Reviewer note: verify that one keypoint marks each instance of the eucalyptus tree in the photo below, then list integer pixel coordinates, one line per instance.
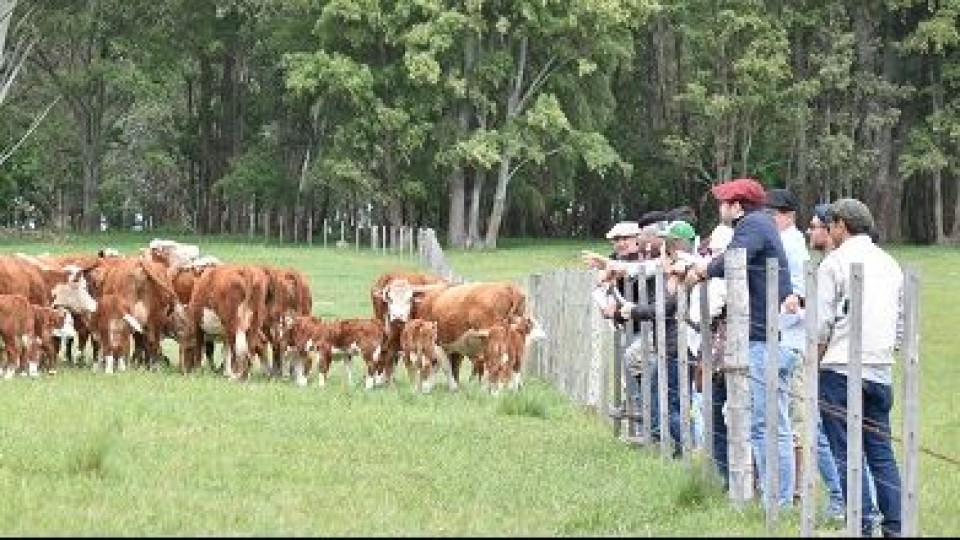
(933, 144)
(88, 54)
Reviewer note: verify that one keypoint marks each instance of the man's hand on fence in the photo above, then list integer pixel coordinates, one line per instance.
(626, 310)
(696, 273)
(594, 259)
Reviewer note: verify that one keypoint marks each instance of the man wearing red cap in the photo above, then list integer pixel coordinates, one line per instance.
(741, 204)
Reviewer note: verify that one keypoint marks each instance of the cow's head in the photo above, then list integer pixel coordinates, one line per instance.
(72, 293)
(398, 295)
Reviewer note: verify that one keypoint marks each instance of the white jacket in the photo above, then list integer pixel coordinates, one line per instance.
(882, 290)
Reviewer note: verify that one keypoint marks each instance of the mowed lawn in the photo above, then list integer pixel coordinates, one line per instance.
(157, 453)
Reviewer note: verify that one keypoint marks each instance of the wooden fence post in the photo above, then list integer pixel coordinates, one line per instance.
(647, 368)
(683, 375)
(738, 384)
(854, 455)
(811, 429)
(662, 397)
(706, 374)
(910, 505)
(770, 472)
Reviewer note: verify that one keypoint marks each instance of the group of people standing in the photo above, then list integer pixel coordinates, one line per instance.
(764, 224)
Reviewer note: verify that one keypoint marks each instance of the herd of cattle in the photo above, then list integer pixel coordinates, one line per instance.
(123, 306)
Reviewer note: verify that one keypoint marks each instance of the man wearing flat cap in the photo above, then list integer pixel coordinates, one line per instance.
(849, 223)
(741, 202)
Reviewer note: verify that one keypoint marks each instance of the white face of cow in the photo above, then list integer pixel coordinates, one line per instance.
(399, 298)
(73, 294)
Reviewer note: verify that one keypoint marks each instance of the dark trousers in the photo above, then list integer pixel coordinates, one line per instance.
(719, 439)
(877, 446)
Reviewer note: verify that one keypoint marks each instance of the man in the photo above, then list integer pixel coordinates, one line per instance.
(740, 203)
(783, 207)
(849, 223)
(678, 244)
(625, 237)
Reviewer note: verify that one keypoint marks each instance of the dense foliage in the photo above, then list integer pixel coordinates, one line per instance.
(482, 118)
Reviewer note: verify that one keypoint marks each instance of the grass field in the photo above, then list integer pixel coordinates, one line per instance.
(161, 454)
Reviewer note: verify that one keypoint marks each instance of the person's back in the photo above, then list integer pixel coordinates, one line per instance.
(882, 285)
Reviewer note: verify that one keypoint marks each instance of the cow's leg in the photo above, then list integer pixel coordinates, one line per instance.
(454, 371)
(13, 356)
(323, 367)
(300, 364)
(370, 364)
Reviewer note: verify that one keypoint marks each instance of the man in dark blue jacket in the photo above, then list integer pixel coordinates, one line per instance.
(741, 205)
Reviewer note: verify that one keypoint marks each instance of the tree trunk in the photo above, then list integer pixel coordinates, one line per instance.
(473, 223)
(504, 174)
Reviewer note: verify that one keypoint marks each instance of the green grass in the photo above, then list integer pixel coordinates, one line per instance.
(162, 454)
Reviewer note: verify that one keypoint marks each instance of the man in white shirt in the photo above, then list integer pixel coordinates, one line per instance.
(849, 223)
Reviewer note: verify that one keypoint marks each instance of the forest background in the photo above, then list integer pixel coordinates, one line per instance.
(543, 118)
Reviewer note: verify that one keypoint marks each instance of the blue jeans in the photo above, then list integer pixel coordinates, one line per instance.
(758, 428)
(828, 469)
(884, 476)
(673, 402)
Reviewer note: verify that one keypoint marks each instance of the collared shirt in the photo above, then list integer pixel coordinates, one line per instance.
(793, 333)
(882, 290)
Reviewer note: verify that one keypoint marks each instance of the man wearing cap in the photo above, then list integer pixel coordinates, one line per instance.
(678, 242)
(849, 223)
(740, 202)
(793, 336)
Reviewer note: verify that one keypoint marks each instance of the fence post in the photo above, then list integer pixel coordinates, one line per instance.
(910, 505)
(647, 368)
(631, 389)
(683, 374)
(811, 430)
(310, 229)
(770, 472)
(326, 230)
(706, 377)
(738, 384)
(662, 397)
(855, 403)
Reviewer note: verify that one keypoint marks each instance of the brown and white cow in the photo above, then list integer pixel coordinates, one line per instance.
(392, 296)
(464, 314)
(303, 342)
(184, 278)
(228, 301)
(147, 287)
(288, 296)
(346, 338)
(18, 334)
(418, 344)
(114, 325)
(506, 345)
(50, 325)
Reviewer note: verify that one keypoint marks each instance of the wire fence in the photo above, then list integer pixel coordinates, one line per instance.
(594, 363)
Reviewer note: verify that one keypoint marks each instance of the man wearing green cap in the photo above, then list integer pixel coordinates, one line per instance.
(678, 242)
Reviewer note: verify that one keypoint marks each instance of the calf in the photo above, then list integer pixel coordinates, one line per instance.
(18, 332)
(303, 341)
(347, 337)
(113, 327)
(51, 324)
(418, 342)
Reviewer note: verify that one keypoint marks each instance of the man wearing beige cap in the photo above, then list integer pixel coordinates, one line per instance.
(849, 223)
